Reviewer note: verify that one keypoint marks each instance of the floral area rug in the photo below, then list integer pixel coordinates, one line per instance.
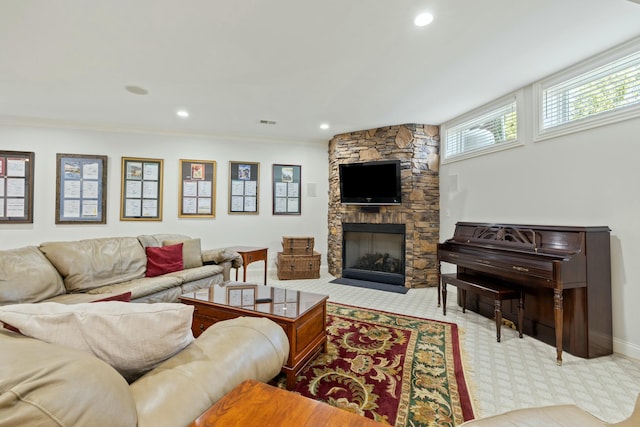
(395, 369)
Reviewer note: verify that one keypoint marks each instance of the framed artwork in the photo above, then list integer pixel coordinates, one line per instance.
(141, 192)
(16, 187)
(197, 198)
(81, 189)
(244, 189)
(241, 296)
(286, 189)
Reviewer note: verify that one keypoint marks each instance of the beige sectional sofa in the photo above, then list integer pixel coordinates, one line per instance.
(54, 372)
(92, 269)
(44, 384)
(553, 416)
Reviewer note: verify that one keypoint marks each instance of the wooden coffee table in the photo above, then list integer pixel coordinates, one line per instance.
(302, 315)
(254, 403)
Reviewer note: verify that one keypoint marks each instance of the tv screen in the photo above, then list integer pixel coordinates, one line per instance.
(370, 183)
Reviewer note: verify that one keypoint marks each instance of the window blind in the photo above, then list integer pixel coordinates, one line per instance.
(486, 129)
(611, 87)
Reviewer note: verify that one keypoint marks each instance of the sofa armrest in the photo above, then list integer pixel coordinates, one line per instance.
(180, 389)
(218, 256)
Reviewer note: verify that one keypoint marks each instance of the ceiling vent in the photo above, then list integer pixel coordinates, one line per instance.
(267, 122)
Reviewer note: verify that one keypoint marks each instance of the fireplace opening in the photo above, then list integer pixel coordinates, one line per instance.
(374, 252)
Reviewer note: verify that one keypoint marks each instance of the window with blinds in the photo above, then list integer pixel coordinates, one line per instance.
(488, 129)
(607, 93)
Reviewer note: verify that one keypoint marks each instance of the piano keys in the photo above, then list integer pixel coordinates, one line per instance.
(565, 273)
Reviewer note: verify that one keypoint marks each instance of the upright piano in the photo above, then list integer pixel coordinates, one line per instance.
(565, 273)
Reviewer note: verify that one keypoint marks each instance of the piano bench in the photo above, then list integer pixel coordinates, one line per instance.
(490, 289)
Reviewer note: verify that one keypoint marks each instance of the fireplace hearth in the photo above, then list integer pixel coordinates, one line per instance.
(374, 252)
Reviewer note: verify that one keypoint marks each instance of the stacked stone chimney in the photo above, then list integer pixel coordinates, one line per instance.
(418, 148)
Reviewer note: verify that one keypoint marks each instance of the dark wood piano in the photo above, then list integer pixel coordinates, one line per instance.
(565, 273)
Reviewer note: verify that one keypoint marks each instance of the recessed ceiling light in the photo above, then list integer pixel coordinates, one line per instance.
(324, 126)
(136, 90)
(182, 113)
(423, 19)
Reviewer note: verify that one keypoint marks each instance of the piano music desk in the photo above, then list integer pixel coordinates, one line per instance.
(485, 288)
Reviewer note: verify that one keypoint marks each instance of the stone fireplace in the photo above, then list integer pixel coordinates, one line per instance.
(417, 147)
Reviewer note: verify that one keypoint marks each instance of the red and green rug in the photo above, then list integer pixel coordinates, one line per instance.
(395, 369)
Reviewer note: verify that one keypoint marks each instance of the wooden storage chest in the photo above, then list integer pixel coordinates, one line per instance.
(297, 245)
(298, 266)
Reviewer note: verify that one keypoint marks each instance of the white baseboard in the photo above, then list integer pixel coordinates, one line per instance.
(626, 348)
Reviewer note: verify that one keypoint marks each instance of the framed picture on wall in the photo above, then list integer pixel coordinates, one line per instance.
(287, 190)
(244, 188)
(16, 187)
(197, 198)
(81, 189)
(141, 189)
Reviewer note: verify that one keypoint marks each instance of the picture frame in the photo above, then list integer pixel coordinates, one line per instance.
(244, 187)
(81, 189)
(197, 192)
(287, 189)
(16, 187)
(242, 295)
(141, 189)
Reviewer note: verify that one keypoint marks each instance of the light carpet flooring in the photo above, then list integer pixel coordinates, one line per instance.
(515, 373)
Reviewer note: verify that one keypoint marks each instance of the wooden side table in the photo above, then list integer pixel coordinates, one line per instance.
(256, 403)
(251, 254)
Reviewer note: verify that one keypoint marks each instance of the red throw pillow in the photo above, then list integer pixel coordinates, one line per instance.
(11, 328)
(126, 297)
(164, 259)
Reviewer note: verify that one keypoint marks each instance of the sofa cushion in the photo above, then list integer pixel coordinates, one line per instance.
(92, 263)
(191, 251)
(198, 273)
(164, 260)
(49, 385)
(76, 298)
(133, 338)
(139, 287)
(27, 276)
(124, 297)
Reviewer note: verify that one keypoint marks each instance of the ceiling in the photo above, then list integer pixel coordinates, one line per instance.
(354, 64)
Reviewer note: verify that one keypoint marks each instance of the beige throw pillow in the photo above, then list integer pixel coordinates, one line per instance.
(133, 338)
(191, 251)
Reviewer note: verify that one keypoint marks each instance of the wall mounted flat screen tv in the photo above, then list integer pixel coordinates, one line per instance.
(371, 183)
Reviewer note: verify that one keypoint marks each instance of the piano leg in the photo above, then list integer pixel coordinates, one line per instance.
(444, 298)
(558, 312)
(498, 314)
(439, 282)
(521, 313)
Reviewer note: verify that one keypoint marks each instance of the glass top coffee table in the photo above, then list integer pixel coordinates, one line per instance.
(302, 315)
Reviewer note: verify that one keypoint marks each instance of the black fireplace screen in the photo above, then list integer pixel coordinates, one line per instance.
(374, 252)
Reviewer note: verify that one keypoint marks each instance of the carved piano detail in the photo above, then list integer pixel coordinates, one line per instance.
(564, 271)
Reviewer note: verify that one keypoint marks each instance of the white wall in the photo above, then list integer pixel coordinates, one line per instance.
(586, 178)
(263, 229)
